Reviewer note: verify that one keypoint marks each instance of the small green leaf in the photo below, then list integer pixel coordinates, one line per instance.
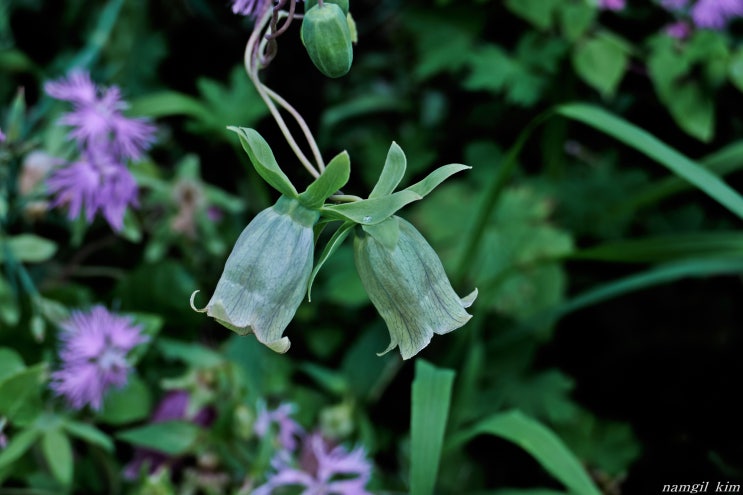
(263, 160)
(735, 69)
(169, 437)
(131, 403)
(392, 173)
(334, 177)
(18, 445)
(19, 389)
(601, 63)
(386, 233)
(336, 240)
(58, 453)
(424, 187)
(90, 434)
(191, 353)
(374, 210)
(541, 443)
(539, 12)
(30, 248)
(431, 396)
(10, 363)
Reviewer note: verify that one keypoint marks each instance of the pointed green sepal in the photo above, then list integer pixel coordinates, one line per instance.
(392, 173)
(266, 275)
(263, 160)
(374, 210)
(331, 247)
(409, 288)
(334, 177)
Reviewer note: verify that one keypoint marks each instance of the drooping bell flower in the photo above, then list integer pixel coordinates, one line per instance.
(266, 275)
(407, 284)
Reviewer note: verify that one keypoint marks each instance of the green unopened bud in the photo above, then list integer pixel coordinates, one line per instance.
(407, 284)
(327, 38)
(343, 4)
(266, 275)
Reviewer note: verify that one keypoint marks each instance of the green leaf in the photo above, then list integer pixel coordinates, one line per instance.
(655, 276)
(169, 437)
(392, 173)
(264, 161)
(30, 248)
(651, 146)
(58, 453)
(18, 445)
(431, 396)
(601, 63)
(168, 103)
(424, 187)
(19, 389)
(334, 177)
(693, 109)
(126, 405)
(193, 354)
(10, 363)
(735, 69)
(371, 211)
(386, 233)
(541, 443)
(667, 248)
(575, 19)
(539, 12)
(89, 433)
(336, 240)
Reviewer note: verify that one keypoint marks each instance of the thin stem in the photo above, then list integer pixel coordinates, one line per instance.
(302, 124)
(253, 51)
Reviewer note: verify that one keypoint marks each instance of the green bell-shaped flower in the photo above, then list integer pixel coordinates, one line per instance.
(266, 275)
(407, 284)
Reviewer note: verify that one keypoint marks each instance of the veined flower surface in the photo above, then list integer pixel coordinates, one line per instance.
(266, 275)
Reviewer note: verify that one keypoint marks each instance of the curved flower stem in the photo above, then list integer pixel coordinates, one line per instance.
(302, 124)
(253, 52)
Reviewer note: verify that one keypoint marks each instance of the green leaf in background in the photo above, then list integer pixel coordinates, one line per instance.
(392, 173)
(264, 161)
(431, 394)
(10, 363)
(667, 248)
(651, 146)
(167, 104)
(541, 13)
(30, 248)
(126, 405)
(576, 18)
(18, 445)
(735, 69)
(193, 354)
(58, 454)
(601, 63)
(693, 109)
(19, 393)
(336, 240)
(169, 437)
(335, 176)
(540, 442)
(89, 433)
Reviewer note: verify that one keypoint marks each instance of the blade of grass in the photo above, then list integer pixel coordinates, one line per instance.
(667, 248)
(540, 442)
(431, 395)
(651, 146)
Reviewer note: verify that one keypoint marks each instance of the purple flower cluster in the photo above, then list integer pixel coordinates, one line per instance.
(93, 356)
(2, 136)
(323, 468)
(615, 5)
(99, 180)
(247, 7)
(705, 14)
(715, 14)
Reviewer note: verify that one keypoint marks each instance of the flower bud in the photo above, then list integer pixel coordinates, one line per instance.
(327, 38)
(266, 275)
(407, 284)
